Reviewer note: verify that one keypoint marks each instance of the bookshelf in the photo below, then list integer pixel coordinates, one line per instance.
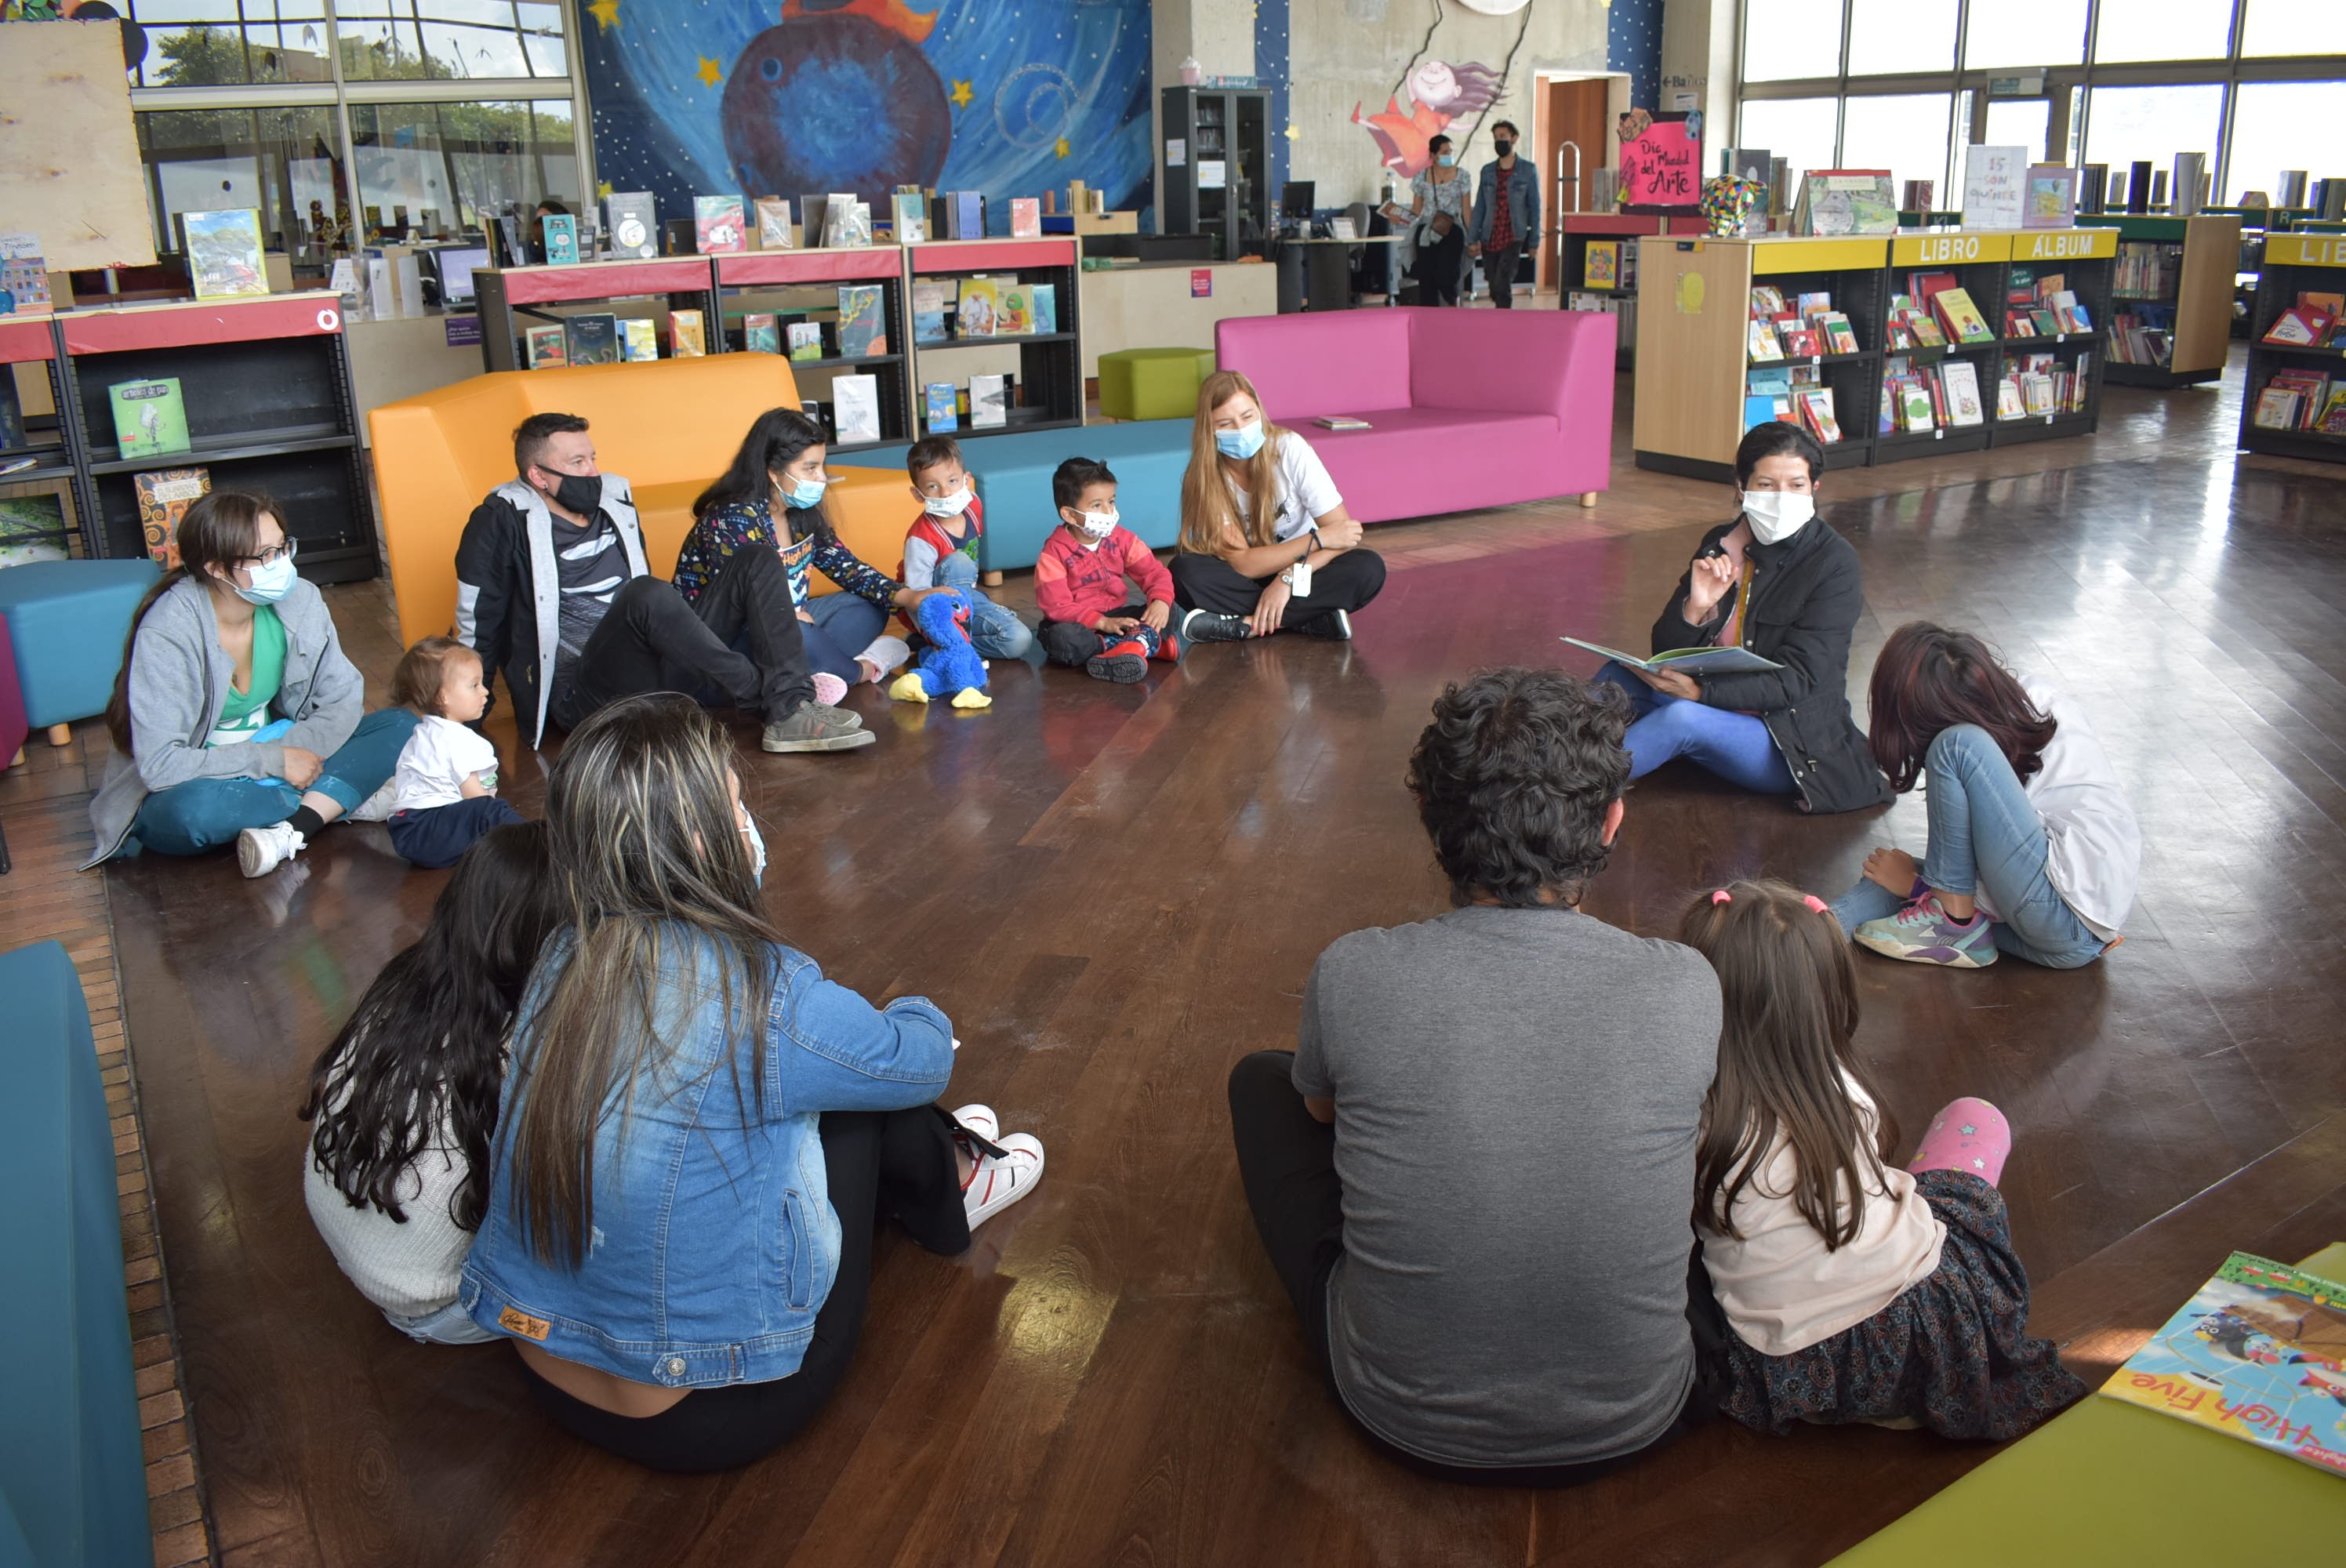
(51, 449)
(2185, 269)
(799, 284)
(266, 385)
(1049, 390)
(1981, 263)
(2295, 263)
(512, 300)
(1221, 184)
(1575, 230)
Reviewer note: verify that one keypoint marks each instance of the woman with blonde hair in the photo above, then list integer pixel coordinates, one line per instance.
(1266, 543)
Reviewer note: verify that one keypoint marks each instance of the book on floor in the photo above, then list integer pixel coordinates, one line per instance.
(150, 417)
(164, 496)
(2259, 1353)
(1691, 661)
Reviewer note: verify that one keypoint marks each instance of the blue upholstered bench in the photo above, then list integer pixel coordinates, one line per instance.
(73, 1476)
(67, 620)
(1012, 473)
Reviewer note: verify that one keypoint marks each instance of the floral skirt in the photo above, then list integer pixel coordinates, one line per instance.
(1952, 1352)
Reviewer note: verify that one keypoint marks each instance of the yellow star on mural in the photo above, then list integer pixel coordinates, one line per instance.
(1062, 147)
(606, 14)
(602, 190)
(709, 74)
(961, 96)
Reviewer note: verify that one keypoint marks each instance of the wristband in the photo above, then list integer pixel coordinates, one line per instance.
(1317, 542)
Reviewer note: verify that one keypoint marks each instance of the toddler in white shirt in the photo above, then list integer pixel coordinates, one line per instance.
(446, 785)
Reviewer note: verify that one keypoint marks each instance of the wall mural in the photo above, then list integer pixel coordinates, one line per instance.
(1439, 94)
(1011, 98)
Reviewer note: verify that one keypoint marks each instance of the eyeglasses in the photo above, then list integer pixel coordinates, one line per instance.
(269, 557)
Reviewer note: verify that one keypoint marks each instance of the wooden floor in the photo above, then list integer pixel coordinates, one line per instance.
(1117, 892)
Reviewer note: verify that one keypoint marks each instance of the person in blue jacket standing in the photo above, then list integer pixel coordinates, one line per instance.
(1504, 228)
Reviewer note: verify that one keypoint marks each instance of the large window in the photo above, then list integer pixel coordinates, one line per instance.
(1907, 84)
(430, 170)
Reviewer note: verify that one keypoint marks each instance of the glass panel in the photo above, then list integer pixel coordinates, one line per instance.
(2020, 122)
(448, 40)
(279, 160)
(432, 169)
(1890, 35)
(2164, 30)
(1906, 135)
(1798, 129)
(2025, 33)
(2123, 124)
(2290, 27)
(1787, 39)
(2269, 134)
(220, 43)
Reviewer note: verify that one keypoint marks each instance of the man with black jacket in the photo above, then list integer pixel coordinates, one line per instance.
(552, 589)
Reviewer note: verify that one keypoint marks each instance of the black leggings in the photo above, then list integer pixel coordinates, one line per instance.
(892, 1164)
(1287, 1162)
(1209, 583)
(653, 639)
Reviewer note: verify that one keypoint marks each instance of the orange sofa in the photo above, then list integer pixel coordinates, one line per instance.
(667, 429)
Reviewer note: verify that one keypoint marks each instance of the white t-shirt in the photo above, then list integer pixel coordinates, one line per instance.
(435, 761)
(1305, 491)
(1782, 1291)
(2093, 843)
(409, 1270)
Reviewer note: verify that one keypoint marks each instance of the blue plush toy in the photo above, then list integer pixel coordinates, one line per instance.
(949, 663)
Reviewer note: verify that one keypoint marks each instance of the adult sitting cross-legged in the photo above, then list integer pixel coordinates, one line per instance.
(1472, 1173)
(552, 589)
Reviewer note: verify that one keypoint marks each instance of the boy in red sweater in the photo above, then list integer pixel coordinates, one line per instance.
(1089, 617)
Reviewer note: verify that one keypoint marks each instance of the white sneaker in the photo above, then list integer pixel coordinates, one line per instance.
(260, 851)
(1001, 1180)
(886, 655)
(981, 1120)
(376, 807)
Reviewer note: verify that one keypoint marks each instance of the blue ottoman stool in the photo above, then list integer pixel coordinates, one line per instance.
(67, 620)
(1012, 470)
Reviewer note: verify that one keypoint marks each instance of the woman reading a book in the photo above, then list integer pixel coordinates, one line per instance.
(1778, 582)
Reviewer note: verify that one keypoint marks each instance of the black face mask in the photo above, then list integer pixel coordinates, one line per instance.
(580, 492)
(1502, 147)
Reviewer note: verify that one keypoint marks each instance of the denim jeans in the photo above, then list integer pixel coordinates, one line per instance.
(1986, 840)
(994, 630)
(203, 813)
(842, 627)
(1735, 746)
(452, 1325)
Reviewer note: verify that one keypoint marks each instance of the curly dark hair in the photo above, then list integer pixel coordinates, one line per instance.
(1513, 779)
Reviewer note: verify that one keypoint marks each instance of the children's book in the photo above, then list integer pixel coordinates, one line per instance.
(945, 407)
(1964, 322)
(773, 223)
(548, 347)
(2302, 325)
(33, 528)
(929, 301)
(862, 328)
(912, 211)
(2276, 409)
(224, 253)
(1816, 405)
(856, 400)
(759, 335)
(2259, 1354)
(2332, 419)
(164, 497)
(718, 225)
(1960, 378)
(1026, 218)
(2052, 197)
(1602, 268)
(688, 336)
(989, 401)
(805, 338)
(1768, 300)
(1764, 345)
(1914, 407)
(811, 218)
(150, 418)
(592, 339)
(1342, 421)
(1693, 661)
(1840, 336)
(24, 275)
(1016, 318)
(981, 307)
(846, 221)
(1803, 344)
(561, 240)
(1043, 302)
(639, 339)
(633, 218)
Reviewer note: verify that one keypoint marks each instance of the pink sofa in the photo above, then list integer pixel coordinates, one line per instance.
(1467, 409)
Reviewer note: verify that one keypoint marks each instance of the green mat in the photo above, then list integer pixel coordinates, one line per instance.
(2110, 1482)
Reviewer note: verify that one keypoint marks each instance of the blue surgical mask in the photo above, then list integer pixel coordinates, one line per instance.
(805, 492)
(271, 581)
(1242, 442)
(1448, 160)
(757, 848)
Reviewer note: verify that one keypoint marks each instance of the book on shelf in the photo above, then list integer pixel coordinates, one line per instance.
(846, 222)
(943, 400)
(1757, 409)
(761, 333)
(1964, 321)
(774, 223)
(805, 338)
(1733, 659)
(1764, 345)
(1994, 187)
(164, 496)
(1601, 268)
(911, 212)
(1766, 301)
(2009, 402)
(1026, 218)
(2293, 400)
(547, 347)
(2017, 324)
(1921, 286)
(33, 528)
(150, 417)
(2052, 197)
(812, 215)
(2300, 326)
(1816, 408)
(1840, 335)
(561, 231)
(981, 307)
(930, 298)
(639, 340)
(1959, 381)
(1802, 343)
(224, 260)
(1043, 299)
(1016, 318)
(1846, 201)
(1914, 407)
(989, 402)
(592, 339)
(2333, 304)
(688, 336)
(965, 215)
(23, 274)
(633, 216)
(856, 401)
(2331, 421)
(862, 324)
(2276, 408)
(1811, 306)
(2259, 1353)
(2146, 269)
(718, 227)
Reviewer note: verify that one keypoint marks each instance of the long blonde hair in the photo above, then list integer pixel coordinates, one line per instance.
(1208, 503)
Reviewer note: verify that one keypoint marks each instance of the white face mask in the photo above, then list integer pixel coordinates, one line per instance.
(271, 582)
(1776, 515)
(952, 506)
(1098, 525)
(757, 848)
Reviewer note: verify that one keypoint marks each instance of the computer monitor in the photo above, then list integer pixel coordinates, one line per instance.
(1295, 200)
(455, 264)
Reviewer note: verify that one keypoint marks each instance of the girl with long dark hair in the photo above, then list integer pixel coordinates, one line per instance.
(2034, 849)
(1856, 1290)
(699, 1131)
(778, 473)
(236, 716)
(405, 1098)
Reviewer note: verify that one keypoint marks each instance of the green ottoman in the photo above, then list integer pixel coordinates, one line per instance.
(1153, 383)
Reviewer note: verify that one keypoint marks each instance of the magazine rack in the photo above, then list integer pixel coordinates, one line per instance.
(1050, 364)
(2294, 264)
(802, 282)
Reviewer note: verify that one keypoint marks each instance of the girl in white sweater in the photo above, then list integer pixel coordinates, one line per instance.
(405, 1098)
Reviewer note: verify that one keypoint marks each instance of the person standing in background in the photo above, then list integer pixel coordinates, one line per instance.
(1439, 199)
(1505, 225)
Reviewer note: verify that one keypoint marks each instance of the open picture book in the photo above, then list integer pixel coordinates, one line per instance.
(1692, 661)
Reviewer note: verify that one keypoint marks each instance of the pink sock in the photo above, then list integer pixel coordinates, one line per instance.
(829, 689)
(1968, 1135)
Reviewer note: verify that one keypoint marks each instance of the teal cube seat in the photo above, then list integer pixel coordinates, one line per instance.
(1153, 383)
(67, 620)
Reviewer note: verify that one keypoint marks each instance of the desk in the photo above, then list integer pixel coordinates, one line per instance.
(1317, 274)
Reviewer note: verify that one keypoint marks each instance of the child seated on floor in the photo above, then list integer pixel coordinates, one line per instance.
(405, 1098)
(445, 790)
(1855, 1291)
(1089, 617)
(941, 550)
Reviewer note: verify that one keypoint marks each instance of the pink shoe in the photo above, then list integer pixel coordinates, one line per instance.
(829, 689)
(1968, 1135)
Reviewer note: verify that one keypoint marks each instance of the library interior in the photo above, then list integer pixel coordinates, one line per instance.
(728, 728)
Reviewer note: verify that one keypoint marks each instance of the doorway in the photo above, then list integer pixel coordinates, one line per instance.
(1574, 110)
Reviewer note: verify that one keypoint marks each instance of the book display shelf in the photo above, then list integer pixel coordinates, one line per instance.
(2312, 262)
(266, 386)
(1049, 384)
(43, 459)
(1978, 262)
(513, 299)
(1217, 166)
(802, 288)
(1612, 286)
(2083, 259)
(2171, 299)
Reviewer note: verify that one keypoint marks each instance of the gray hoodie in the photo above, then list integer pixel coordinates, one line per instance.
(180, 678)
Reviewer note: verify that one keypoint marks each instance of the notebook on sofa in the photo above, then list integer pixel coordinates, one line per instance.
(1692, 661)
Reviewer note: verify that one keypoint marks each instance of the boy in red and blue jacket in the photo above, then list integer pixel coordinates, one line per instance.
(1089, 617)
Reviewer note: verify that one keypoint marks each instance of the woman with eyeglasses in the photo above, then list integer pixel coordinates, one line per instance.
(236, 716)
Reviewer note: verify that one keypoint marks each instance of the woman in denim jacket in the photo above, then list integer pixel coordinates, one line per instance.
(699, 1131)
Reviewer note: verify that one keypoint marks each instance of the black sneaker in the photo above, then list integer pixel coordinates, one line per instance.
(1335, 626)
(1206, 626)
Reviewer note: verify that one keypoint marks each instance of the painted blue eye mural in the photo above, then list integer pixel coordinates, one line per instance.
(1010, 97)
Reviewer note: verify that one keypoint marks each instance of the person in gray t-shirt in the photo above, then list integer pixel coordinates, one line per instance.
(1475, 1174)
